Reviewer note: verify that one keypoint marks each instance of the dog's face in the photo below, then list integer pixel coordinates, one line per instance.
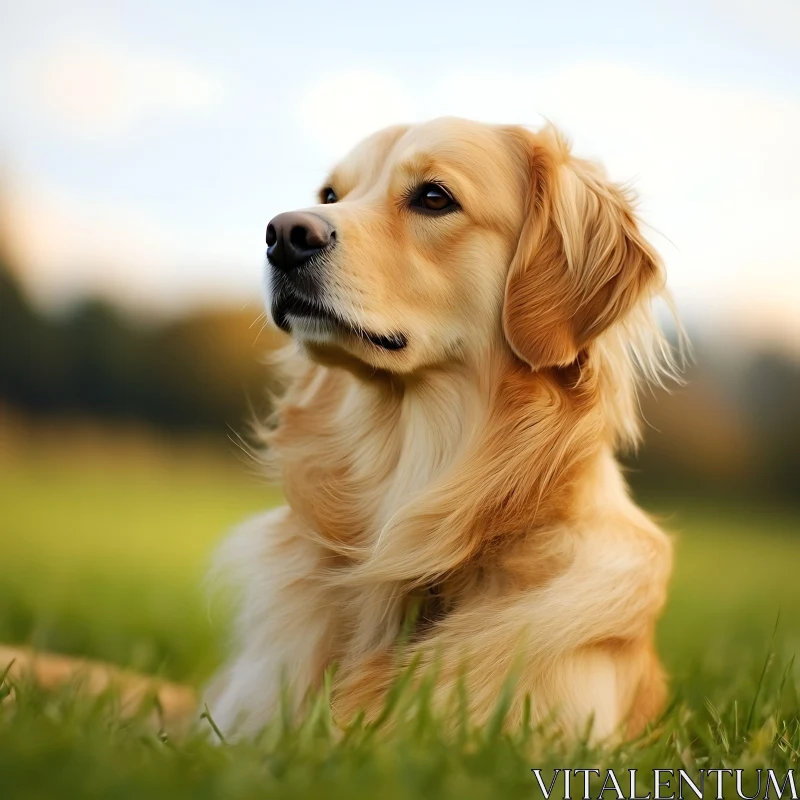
(436, 242)
(404, 262)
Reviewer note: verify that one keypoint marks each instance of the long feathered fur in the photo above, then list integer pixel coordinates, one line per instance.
(481, 495)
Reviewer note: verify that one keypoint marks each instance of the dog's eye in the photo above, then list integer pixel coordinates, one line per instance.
(432, 197)
(327, 195)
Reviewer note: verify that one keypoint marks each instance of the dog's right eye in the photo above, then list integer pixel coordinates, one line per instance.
(327, 195)
(432, 198)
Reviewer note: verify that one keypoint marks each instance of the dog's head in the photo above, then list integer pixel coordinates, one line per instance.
(441, 241)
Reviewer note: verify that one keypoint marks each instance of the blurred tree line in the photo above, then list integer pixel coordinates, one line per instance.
(732, 432)
(197, 372)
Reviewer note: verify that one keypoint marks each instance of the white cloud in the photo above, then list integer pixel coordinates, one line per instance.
(345, 106)
(776, 21)
(70, 245)
(94, 91)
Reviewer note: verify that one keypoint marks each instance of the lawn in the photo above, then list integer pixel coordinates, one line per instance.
(103, 551)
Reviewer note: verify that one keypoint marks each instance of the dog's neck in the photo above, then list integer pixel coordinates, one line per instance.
(431, 422)
(409, 479)
(353, 452)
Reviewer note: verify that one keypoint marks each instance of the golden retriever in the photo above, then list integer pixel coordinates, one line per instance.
(472, 311)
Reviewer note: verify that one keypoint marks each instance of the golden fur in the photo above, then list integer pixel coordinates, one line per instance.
(471, 475)
(173, 705)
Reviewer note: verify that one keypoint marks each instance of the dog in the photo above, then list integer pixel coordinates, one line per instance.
(471, 311)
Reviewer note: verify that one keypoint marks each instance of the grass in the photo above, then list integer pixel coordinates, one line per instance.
(102, 554)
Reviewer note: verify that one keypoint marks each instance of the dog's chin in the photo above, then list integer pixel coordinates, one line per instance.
(314, 324)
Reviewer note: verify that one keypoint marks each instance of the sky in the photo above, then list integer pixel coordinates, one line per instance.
(145, 145)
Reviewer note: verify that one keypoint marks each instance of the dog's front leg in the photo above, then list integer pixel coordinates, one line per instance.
(283, 626)
(580, 647)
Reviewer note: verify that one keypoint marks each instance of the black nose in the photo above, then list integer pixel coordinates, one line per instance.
(293, 237)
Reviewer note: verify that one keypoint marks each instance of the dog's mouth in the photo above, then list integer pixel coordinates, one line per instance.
(290, 305)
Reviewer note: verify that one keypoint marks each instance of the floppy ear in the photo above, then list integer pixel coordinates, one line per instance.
(581, 263)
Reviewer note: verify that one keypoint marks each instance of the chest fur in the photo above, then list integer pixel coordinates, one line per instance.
(352, 456)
